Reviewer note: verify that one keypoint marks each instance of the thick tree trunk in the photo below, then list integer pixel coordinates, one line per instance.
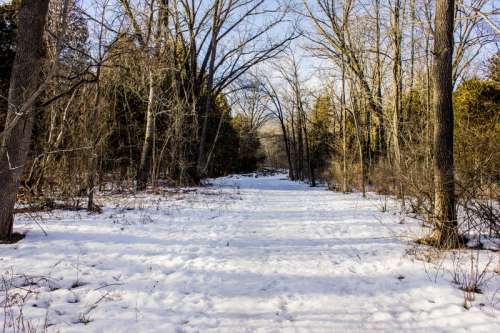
(445, 227)
(24, 82)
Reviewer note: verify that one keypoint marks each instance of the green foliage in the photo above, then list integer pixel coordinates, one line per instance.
(238, 146)
(415, 118)
(250, 154)
(127, 112)
(320, 134)
(477, 129)
(224, 156)
(8, 29)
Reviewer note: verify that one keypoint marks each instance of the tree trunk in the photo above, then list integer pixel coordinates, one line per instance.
(412, 51)
(24, 82)
(144, 163)
(428, 102)
(310, 166)
(294, 147)
(361, 155)
(398, 91)
(92, 171)
(300, 147)
(380, 139)
(291, 173)
(445, 226)
(344, 131)
(209, 95)
(207, 106)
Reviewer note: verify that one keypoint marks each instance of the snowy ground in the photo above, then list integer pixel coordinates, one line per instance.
(244, 255)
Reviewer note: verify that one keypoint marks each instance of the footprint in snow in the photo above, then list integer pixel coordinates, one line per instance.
(283, 313)
(72, 298)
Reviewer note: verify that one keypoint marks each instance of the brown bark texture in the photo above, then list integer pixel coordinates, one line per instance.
(24, 82)
(445, 227)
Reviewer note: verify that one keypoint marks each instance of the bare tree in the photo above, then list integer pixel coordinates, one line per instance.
(335, 36)
(251, 104)
(276, 108)
(397, 37)
(471, 34)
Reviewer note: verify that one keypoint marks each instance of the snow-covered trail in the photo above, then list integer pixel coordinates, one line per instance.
(244, 255)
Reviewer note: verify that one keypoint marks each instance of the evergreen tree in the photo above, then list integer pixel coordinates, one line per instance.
(320, 134)
(8, 28)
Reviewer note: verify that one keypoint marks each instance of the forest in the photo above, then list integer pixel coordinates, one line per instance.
(159, 116)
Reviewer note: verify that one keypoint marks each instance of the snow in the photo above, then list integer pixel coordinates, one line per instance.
(245, 254)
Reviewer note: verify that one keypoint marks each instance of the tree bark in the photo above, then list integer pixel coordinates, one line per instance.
(300, 146)
(360, 151)
(310, 166)
(344, 130)
(24, 82)
(398, 91)
(144, 163)
(291, 173)
(209, 88)
(380, 140)
(445, 226)
(92, 171)
(294, 147)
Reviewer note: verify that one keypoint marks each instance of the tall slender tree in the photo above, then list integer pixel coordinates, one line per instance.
(397, 37)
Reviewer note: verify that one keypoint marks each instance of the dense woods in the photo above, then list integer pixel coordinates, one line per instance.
(397, 97)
